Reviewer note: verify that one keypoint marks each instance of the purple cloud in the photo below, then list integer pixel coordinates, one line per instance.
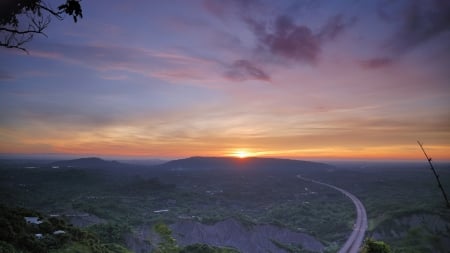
(221, 8)
(288, 40)
(376, 63)
(277, 34)
(214, 7)
(420, 21)
(165, 65)
(335, 26)
(5, 76)
(242, 70)
(291, 41)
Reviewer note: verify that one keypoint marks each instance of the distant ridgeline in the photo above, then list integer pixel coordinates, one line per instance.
(250, 163)
(88, 162)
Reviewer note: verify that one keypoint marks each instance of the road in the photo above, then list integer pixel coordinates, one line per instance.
(356, 238)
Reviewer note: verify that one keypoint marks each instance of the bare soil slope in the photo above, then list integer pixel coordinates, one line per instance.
(231, 233)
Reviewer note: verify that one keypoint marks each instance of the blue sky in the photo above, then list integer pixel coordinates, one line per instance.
(301, 79)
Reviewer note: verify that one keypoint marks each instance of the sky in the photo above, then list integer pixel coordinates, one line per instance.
(305, 79)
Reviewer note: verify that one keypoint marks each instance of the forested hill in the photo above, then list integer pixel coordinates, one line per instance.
(89, 162)
(250, 163)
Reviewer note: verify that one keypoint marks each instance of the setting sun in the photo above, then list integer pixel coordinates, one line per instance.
(241, 154)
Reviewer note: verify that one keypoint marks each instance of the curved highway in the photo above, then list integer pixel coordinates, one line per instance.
(356, 238)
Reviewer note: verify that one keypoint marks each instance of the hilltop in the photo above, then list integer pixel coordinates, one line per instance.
(88, 162)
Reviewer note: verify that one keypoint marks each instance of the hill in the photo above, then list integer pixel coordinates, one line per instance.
(210, 170)
(89, 162)
(251, 163)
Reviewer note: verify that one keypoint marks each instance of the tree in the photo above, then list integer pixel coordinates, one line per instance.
(20, 20)
(168, 244)
(372, 246)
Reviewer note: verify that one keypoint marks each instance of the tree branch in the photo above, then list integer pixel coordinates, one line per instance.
(21, 32)
(54, 13)
(38, 15)
(17, 46)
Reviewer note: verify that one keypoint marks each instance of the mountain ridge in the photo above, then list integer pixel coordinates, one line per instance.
(87, 162)
(204, 162)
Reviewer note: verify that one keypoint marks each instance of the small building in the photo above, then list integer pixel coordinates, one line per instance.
(33, 220)
(39, 236)
(59, 232)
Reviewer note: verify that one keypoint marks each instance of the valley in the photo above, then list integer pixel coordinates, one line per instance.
(248, 205)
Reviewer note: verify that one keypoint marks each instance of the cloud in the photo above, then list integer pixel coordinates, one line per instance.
(242, 70)
(120, 63)
(114, 77)
(222, 9)
(216, 8)
(291, 41)
(106, 57)
(6, 76)
(335, 26)
(165, 65)
(420, 21)
(278, 35)
(376, 63)
(384, 11)
(287, 40)
(68, 115)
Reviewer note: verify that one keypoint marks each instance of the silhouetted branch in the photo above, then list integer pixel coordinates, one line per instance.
(54, 13)
(17, 46)
(16, 38)
(14, 31)
(435, 174)
(38, 16)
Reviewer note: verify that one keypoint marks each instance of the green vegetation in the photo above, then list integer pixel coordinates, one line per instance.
(403, 203)
(120, 202)
(129, 201)
(82, 248)
(110, 232)
(169, 245)
(419, 239)
(372, 246)
(317, 217)
(51, 235)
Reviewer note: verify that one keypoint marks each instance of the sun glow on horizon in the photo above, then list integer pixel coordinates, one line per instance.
(241, 154)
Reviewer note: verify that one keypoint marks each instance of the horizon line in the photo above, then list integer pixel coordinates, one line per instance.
(63, 156)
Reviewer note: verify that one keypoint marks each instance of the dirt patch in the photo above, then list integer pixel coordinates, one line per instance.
(231, 233)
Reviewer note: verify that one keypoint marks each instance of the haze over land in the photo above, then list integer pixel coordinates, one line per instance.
(249, 205)
(299, 79)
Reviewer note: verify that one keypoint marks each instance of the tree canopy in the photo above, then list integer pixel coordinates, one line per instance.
(20, 20)
(373, 246)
